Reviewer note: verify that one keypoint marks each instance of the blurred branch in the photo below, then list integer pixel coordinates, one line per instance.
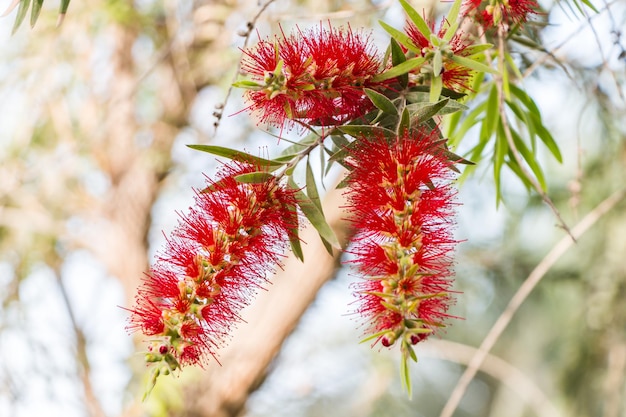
(83, 367)
(614, 383)
(499, 369)
(522, 293)
(246, 35)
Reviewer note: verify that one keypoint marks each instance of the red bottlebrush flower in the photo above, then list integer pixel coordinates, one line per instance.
(501, 13)
(400, 195)
(454, 76)
(212, 265)
(316, 77)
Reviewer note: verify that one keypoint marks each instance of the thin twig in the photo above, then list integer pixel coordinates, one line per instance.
(498, 368)
(552, 53)
(93, 405)
(605, 63)
(246, 35)
(520, 296)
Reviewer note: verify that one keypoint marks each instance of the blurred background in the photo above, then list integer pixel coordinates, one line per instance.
(94, 119)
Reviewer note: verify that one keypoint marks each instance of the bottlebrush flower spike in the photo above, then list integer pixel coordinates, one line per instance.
(212, 265)
(316, 77)
(499, 13)
(400, 196)
(454, 76)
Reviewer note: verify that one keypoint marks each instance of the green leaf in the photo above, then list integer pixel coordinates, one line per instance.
(21, 14)
(62, 11)
(315, 216)
(237, 155)
(246, 84)
(450, 31)
(535, 114)
(416, 93)
(417, 20)
(258, 177)
(405, 374)
(548, 140)
(400, 37)
(453, 17)
(294, 239)
(374, 336)
(306, 142)
(515, 168)
(472, 64)
(34, 13)
(381, 102)
(311, 187)
(404, 126)
(436, 84)
(513, 66)
(501, 150)
(529, 158)
(422, 112)
(492, 115)
(470, 120)
(366, 130)
(398, 57)
(476, 49)
(437, 63)
(400, 69)
(63, 7)
(340, 141)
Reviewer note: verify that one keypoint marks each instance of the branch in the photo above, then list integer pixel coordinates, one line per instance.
(94, 408)
(246, 35)
(497, 368)
(522, 293)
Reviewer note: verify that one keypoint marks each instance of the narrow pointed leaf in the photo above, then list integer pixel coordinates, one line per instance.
(453, 16)
(548, 140)
(404, 127)
(417, 20)
(436, 85)
(62, 11)
(34, 13)
(308, 141)
(236, 155)
(311, 187)
(294, 239)
(437, 63)
(400, 69)
(405, 375)
(315, 216)
(476, 49)
(475, 65)
(400, 37)
(501, 150)
(398, 57)
(528, 156)
(381, 102)
(246, 84)
(21, 14)
(254, 177)
(451, 31)
(366, 130)
(427, 111)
